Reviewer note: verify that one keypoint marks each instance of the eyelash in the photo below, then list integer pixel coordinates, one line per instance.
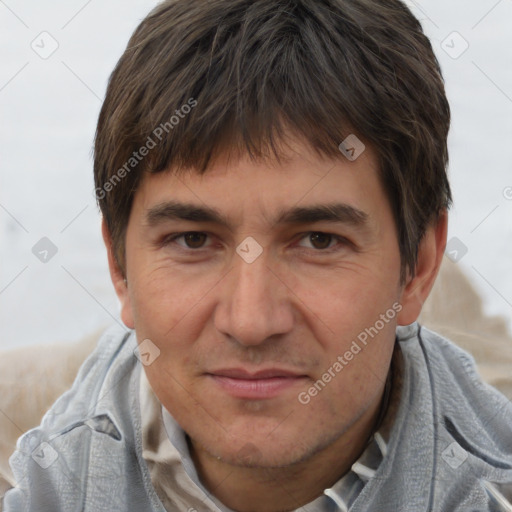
(341, 240)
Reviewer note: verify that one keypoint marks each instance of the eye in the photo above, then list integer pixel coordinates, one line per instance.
(316, 240)
(192, 239)
(322, 241)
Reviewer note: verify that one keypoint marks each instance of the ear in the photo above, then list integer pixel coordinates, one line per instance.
(430, 257)
(118, 279)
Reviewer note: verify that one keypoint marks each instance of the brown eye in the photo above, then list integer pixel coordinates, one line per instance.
(320, 240)
(194, 240)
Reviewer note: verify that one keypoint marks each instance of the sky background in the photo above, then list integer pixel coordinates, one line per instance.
(49, 105)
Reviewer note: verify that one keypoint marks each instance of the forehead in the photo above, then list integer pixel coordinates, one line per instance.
(232, 189)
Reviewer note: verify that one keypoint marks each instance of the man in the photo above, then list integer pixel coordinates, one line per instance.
(272, 178)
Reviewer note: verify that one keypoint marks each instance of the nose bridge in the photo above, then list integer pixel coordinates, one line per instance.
(251, 282)
(254, 305)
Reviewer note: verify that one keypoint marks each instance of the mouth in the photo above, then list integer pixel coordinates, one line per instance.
(263, 384)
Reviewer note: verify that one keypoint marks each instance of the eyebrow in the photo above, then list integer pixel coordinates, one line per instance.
(333, 212)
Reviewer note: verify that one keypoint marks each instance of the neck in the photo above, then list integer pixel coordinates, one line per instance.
(271, 489)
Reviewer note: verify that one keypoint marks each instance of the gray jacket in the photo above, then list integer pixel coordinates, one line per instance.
(450, 448)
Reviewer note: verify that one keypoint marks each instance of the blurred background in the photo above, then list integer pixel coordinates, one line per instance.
(56, 60)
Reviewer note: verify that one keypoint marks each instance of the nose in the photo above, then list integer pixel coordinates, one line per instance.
(255, 304)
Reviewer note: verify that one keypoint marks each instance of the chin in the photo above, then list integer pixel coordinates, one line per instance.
(252, 449)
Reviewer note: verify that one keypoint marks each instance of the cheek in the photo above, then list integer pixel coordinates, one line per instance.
(355, 366)
(353, 319)
(163, 296)
(172, 308)
(340, 303)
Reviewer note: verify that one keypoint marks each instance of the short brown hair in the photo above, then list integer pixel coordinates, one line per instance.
(248, 70)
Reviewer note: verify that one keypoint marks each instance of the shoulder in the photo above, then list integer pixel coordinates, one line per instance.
(455, 374)
(458, 427)
(457, 388)
(113, 350)
(81, 449)
(472, 422)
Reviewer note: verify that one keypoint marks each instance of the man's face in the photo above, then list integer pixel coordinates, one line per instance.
(250, 314)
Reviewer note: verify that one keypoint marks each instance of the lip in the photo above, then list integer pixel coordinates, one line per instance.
(262, 384)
